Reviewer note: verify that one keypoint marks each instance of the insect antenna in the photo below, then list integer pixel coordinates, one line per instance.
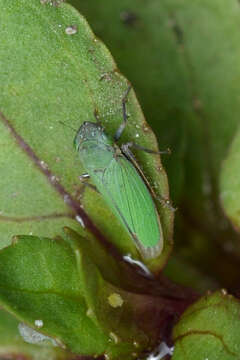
(68, 126)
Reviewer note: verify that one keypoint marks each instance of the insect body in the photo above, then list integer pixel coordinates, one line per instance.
(122, 187)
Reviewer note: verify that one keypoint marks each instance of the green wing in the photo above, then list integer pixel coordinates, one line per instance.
(128, 196)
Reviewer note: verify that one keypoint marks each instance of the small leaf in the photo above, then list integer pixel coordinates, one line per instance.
(35, 285)
(53, 282)
(209, 329)
(53, 71)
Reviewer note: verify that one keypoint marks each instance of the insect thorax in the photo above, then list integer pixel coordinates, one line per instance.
(96, 155)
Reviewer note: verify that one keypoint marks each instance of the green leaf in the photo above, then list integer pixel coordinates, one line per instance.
(230, 183)
(77, 308)
(53, 70)
(209, 329)
(35, 285)
(12, 345)
(181, 272)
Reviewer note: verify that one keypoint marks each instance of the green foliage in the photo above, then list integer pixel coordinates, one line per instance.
(182, 58)
(12, 343)
(209, 329)
(72, 301)
(60, 78)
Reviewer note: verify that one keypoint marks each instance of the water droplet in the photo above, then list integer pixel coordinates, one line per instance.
(224, 291)
(80, 220)
(142, 266)
(71, 30)
(114, 337)
(38, 323)
(31, 336)
(54, 179)
(161, 351)
(115, 300)
(43, 165)
(89, 312)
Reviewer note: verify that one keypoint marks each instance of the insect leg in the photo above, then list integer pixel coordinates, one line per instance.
(125, 116)
(139, 147)
(84, 178)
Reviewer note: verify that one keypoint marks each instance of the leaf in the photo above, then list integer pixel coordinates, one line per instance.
(181, 272)
(12, 346)
(209, 329)
(229, 186)
(53, 71)
(55, 282)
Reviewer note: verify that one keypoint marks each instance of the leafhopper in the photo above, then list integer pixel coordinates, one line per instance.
(118, 178)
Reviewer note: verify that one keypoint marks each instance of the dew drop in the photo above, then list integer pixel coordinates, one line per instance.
(80, 221)
(38, 323)
(31, 336)
(71, 30)
(161, 351)
(114, 337)
(43, 165)
(115, 300)
(138, 263)
(89, 312)
(224, 291)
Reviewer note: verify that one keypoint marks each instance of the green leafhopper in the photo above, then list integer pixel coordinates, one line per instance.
(122, 184)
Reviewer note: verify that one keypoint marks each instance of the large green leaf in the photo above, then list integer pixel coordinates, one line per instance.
(53, 70)
(209, 329)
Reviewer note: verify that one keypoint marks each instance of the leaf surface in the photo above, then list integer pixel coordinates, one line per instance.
(54, 71)
(55, 282)
(209, 329)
